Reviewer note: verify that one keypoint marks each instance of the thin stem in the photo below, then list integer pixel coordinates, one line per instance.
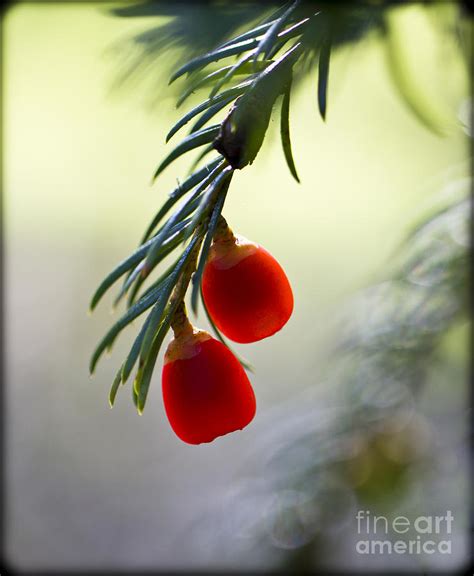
(180, 323)
(223, 233)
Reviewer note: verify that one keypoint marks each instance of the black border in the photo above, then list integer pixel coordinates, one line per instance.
(5, 568)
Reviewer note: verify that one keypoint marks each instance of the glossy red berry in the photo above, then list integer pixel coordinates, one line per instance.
(245, 290)
(206, 391)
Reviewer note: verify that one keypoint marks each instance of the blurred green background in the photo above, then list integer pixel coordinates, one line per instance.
(92, 487)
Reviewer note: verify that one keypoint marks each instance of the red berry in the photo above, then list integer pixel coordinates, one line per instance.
(206, 391)
(245, 290)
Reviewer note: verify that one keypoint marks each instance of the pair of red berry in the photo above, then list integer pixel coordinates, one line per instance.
(206, 391)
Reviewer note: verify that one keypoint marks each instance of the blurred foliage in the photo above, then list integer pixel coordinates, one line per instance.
(194, 28)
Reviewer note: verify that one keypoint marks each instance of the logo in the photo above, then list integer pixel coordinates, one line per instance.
(423, 535)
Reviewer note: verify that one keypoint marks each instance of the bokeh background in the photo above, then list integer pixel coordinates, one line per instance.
(90, 487)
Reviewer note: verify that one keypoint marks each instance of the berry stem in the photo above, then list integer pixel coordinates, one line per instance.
(180, 323)
(223, 232)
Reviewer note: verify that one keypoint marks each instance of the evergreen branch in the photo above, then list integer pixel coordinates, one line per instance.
(114, 388)
(156, 315)
(165, 250)
(214, 56)
(202, 194)
(210, 113)
(132, 357)
(139, 282)
(145, 372)
(250, 34)
(178, 193)
(323, 75)
(231, 92)
(233, 50)
(189, 143)
(121, 269)
(243, 130)
(285, 132)
(237, 68)
(133, 312)
(152, 335)
(179, 214)
(192, 211)
(210, 78)
(268, 40)
(204, 152)
(209, 198)
(216, 214)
